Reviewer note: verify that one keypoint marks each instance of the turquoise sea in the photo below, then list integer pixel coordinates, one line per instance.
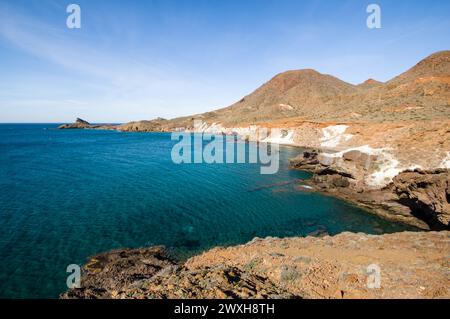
(68, 194)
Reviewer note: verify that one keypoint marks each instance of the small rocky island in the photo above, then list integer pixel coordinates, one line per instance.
(79, 124)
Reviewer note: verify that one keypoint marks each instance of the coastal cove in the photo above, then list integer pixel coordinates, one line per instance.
(69, 194)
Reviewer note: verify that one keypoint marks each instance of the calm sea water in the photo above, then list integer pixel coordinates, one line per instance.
(68, 194)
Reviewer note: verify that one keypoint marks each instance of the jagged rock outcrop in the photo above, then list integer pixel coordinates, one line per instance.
(427, 193)
(409, 265)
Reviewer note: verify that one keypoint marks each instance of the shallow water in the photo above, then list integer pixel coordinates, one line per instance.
(68, 194)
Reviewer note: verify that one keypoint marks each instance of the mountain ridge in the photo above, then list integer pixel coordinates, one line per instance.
(315, 96)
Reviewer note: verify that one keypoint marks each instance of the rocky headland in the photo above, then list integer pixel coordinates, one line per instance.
(416, 197)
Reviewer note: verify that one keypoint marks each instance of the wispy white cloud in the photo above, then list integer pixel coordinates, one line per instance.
(121, 81)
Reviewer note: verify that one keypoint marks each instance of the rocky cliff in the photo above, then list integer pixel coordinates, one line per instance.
(401, 265)
(417, 197)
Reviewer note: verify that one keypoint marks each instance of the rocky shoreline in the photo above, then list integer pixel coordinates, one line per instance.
(416, 197)
(409, 265)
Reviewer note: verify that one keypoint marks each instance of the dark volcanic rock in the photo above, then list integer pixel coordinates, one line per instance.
(418, 198)
(108, 274)
(150, 273)
(414, 265)
(307, 161)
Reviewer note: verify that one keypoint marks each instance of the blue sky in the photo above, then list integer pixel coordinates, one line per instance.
(141, 59)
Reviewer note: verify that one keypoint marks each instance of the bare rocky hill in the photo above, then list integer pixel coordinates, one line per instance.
(383, 146)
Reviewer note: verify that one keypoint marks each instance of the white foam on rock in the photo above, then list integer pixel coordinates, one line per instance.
(278, 137)
(334, 135)
(388, 169)
(445, 162)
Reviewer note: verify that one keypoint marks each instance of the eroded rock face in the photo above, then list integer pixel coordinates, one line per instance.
(419, 198)
(427, 193)
(411, 265)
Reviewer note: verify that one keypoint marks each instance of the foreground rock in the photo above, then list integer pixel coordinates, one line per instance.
(107, 274)
(150, 273)
(411, 265)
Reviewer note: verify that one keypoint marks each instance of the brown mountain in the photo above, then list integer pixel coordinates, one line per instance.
(421, 93)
